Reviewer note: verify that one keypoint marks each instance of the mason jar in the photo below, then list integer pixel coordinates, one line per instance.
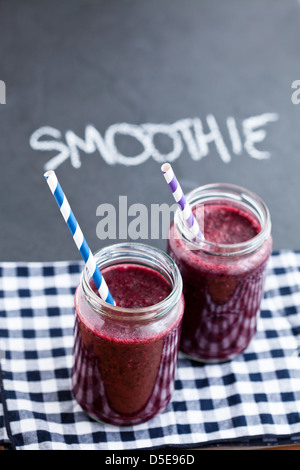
(223, 274)
(125, 356)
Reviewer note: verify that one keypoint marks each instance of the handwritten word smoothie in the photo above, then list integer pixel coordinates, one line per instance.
(125, 356)
(223, 279)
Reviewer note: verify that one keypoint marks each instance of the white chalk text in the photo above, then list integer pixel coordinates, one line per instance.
(2, 92)
(190, 134)
(296, 93)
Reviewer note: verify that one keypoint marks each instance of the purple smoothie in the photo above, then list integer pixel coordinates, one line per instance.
(222, 294)
(123, 373)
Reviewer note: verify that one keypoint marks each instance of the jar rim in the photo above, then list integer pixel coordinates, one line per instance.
(138, 254)
(234, 194)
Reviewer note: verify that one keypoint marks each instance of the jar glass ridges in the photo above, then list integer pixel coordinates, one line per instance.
(125, 358)
(222, 282)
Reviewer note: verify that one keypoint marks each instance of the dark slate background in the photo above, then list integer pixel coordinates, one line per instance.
(67, 64)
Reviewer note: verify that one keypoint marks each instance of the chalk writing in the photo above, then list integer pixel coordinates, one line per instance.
(2, 92)
(190, 133)
(296, 94)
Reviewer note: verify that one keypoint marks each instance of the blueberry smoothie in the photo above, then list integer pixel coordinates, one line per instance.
(124, 361)
(223, 279)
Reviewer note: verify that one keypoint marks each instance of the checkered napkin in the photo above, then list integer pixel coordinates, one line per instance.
(251, 400)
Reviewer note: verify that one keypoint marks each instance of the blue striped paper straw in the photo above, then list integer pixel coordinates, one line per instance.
(78, 237)
(179, 197)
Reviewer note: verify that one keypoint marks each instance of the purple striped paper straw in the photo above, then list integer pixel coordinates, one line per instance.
(179, 197)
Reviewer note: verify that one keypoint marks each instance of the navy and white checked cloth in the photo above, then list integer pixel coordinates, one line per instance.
(251, 400)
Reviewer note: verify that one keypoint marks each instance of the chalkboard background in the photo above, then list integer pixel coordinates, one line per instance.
(72, 64)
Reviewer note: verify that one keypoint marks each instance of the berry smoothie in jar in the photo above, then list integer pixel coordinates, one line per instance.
(125, 356)
(223, 274)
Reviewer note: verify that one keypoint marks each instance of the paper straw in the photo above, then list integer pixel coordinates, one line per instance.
(78, 237)
(179, 197)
